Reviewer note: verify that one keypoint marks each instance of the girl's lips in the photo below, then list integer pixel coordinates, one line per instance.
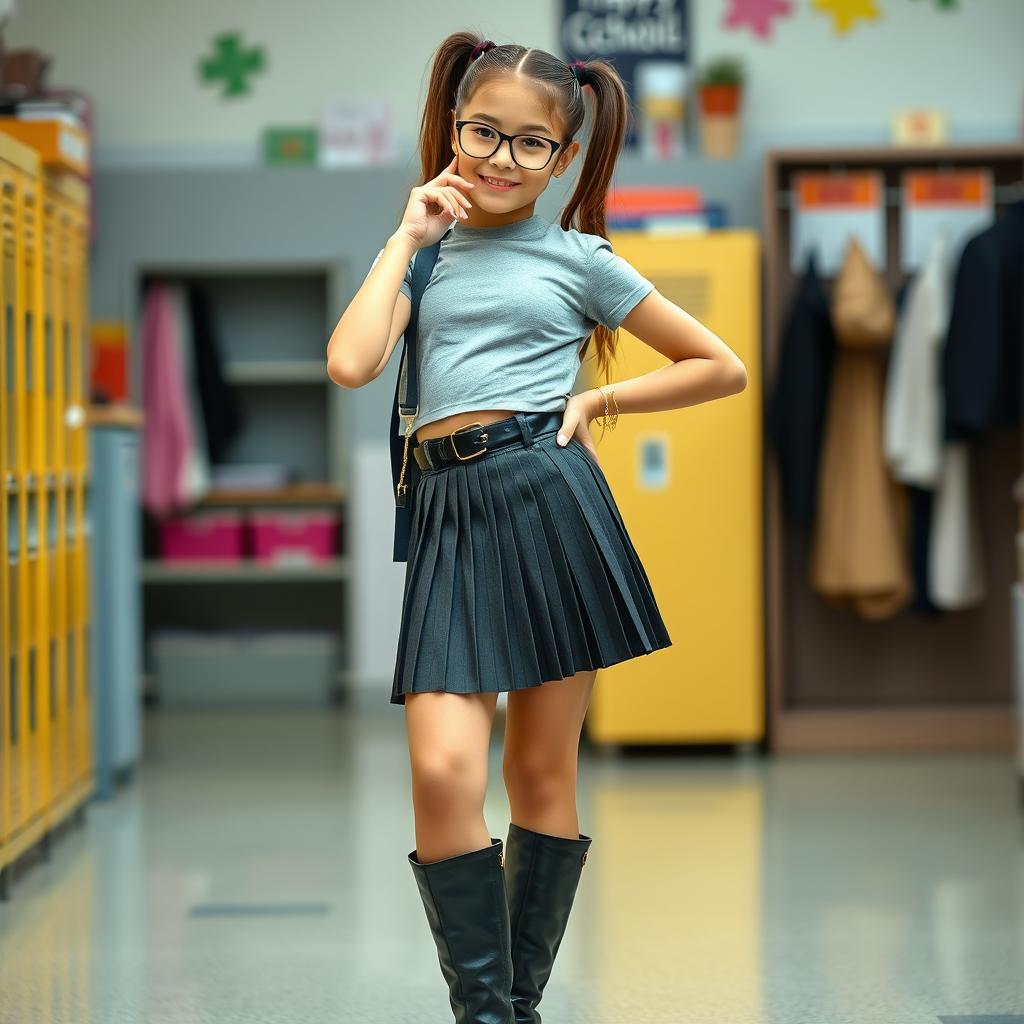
(498, 188)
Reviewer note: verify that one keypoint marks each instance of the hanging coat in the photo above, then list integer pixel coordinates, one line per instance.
(913, 433)
(167, 437)
(955, 565)
(859, 558)
(915, 444)
(796, 412)
(195, 480)
(982, 357)
(222, 412)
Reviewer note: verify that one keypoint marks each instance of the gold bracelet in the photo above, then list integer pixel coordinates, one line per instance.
(602, 416)
(605, 424)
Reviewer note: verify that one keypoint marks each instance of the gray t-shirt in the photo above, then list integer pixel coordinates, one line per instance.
(506, 312)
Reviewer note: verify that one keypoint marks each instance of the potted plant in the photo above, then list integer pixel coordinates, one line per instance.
(721, 96)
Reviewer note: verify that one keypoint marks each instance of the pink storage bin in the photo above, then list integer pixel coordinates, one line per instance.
(293, 537)
(209, 536)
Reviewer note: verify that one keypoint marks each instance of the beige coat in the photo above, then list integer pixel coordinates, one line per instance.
(859, 553)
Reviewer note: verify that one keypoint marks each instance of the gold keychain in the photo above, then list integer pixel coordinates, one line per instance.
(403, 488)
(401, 493)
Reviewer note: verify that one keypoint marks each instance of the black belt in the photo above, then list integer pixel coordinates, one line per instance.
(472, 440)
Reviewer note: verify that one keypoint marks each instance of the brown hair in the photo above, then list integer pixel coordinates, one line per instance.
(454, 77)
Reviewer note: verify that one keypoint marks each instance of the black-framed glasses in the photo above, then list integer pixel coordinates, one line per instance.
(531, 152)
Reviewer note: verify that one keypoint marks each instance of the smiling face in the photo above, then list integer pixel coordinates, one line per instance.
(509, 104)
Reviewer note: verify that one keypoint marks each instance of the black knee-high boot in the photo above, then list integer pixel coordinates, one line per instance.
(542, 873)
(464, 898)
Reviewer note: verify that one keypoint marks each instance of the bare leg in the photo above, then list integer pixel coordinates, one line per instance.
(448, 735)
(542, 735)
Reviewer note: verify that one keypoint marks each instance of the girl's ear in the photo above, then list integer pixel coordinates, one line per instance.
(566, 159)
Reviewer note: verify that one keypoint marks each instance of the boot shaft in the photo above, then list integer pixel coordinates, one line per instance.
(542, 874)
(465, 904)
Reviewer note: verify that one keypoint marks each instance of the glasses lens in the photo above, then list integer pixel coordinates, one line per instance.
(480, 141)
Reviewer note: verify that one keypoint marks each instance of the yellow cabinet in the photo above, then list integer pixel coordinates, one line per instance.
(688, 484)
(46, 726)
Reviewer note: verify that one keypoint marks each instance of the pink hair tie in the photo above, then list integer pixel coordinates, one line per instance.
(480, 48)
(579, 72)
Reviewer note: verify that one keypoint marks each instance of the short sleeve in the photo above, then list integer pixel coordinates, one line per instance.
(613, 286)
(406, 286)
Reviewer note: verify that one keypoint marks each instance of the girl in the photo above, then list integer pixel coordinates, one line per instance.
(521, 577)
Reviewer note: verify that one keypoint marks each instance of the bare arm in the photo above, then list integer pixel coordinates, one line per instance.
(364, 338)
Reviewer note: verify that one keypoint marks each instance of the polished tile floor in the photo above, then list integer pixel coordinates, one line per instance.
(254, 871)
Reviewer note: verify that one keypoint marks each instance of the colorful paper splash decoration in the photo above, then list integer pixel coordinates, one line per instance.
(757, 15)
(847, 12)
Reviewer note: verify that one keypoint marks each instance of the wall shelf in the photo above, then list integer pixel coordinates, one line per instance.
(158, 571)
(309, 493)
(277, 371)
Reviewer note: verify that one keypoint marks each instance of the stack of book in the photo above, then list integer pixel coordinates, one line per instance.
(663, 209)
(58, 123)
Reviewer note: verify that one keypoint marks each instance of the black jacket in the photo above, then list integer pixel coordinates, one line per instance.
(795, 417)
(981, 366)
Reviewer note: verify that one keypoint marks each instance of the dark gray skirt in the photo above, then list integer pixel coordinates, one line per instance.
(520, 571)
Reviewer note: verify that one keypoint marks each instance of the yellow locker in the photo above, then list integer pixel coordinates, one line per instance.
(58, 242)
(688, 484)
(80, 708)
(81, 566)
(39, 736)
(19, 168)
(59, 777)
(75, 340)
(45, 700)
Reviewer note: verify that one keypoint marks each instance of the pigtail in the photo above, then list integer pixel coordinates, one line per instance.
(585, 210)
(450, 63)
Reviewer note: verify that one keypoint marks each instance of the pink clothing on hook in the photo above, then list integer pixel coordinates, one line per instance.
(167, 432)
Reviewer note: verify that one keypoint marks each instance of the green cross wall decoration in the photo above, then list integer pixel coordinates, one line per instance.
(231, 63)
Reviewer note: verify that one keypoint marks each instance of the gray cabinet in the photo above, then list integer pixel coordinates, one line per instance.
(116, 602)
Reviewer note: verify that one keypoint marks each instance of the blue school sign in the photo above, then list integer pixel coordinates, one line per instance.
(628, 34)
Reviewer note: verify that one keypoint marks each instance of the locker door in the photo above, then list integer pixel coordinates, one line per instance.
(688, 484)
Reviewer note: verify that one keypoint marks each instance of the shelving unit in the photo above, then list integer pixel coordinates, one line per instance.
(835, 682)
(271, 328)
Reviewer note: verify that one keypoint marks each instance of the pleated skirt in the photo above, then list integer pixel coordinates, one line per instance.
(520, 571)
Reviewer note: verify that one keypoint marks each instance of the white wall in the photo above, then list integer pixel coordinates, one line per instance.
(137, 59)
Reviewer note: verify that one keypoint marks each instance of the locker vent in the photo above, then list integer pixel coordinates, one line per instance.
(691, 292)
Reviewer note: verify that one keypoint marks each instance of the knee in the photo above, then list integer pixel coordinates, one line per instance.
(445, 780)
(539, 777)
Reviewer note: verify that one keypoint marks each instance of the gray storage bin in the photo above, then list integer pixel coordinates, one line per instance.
(244, 668)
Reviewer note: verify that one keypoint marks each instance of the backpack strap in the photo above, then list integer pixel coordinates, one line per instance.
(405, 472)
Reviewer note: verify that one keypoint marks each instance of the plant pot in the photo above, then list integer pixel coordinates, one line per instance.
(719, 136)
(720, 99)
(720, 120)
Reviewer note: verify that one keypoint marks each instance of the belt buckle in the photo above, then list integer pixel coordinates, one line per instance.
(468, 426)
